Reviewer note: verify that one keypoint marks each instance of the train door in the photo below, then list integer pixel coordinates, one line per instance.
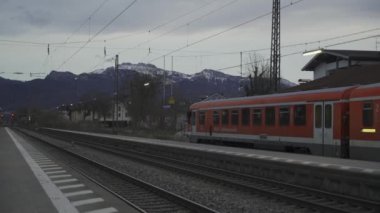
(323, 126)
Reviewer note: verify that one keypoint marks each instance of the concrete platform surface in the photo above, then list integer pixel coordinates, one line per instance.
(32, 181)
(20, 191)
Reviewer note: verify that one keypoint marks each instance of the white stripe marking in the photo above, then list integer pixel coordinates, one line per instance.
(35, 155)
(60, 202)
(43, 161)
(52, 168)
(345, 167)
(47, 166)
(106, 210)
(71, 186)
(60, 176)
(56, 172)
(88, 201)
(369, 170)
(66, 180)
(84, 192)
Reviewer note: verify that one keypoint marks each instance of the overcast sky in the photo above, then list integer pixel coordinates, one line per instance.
(150, 29)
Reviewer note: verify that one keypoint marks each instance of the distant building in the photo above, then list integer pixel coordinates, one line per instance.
(120, 116)
(328, 61)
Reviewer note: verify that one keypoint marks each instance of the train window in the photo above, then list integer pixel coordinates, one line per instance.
(257, 117)
(367, 114)
(270, 116)
(225, 117)
(201, 118)
(235, 117)
(216, 117)
(245, 116)
(300, 115)
(328, 116)
(284, 116)
(318, 116)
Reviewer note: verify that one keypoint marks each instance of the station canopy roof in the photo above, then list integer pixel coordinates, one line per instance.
(328, 56)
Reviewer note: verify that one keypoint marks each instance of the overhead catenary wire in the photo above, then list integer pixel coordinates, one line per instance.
(84, 22)
(163, 24)
(226, 30)
(300, 52)
(37, 44)
(100, 31)
(257, 50)
(187, 23)
(172, 30)
(182, 15)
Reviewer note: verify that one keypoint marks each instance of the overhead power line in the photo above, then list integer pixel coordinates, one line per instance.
(182, 15)
(354, 40)
(187, 24)
(100, 31)
(163, 24)
(172, 30)
(300, 52)
(224, 31)
(85, 21)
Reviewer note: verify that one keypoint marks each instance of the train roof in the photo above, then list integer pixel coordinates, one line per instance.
(366, 91)
(291, 97)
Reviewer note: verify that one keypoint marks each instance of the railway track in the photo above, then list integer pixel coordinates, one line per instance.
(142, 195)
(302, 196)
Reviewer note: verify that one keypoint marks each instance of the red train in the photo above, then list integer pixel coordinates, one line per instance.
(342, 122)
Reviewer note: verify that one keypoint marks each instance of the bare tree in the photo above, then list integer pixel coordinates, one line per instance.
(258, 74)
(142, 100)
(95, 103)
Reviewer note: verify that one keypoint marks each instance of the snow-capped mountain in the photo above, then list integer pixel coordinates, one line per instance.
(65, 87)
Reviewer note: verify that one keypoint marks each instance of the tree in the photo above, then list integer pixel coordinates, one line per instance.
(95, 103)
(259, 75)
(141, 96)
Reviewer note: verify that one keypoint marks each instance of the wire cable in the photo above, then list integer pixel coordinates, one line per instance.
(224, 31)
(100, 31)
(187, 24)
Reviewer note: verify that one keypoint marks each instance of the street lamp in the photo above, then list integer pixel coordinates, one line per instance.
(312, 52)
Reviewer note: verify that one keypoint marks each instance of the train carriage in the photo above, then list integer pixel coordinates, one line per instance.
(331, 122)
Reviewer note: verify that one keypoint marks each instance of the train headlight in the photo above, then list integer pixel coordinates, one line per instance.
(368, 130)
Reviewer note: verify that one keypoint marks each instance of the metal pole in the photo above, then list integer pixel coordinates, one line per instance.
(164, 92)
(241, 64)
(117, 87)
(171, 83)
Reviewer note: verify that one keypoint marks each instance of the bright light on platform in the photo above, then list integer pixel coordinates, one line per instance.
(313, 52)
(368, 130)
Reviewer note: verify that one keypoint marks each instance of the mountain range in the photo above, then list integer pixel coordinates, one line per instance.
(59, 87)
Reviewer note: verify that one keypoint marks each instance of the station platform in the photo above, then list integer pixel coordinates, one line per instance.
(20, 189)
(355, 166)
(32, 181)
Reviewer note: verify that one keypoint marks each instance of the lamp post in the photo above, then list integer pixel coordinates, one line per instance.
(312, 52)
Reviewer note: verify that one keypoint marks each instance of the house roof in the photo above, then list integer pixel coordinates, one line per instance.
(329, 56)
(356, 75)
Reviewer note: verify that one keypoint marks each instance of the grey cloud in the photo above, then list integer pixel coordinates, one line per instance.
(55, 16)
